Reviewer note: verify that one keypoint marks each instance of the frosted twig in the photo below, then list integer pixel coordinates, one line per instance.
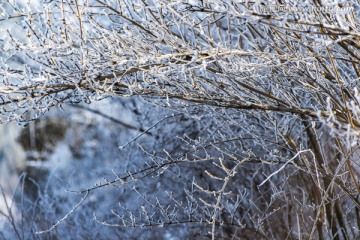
(66, 216)
(286, 163)
(154, 125)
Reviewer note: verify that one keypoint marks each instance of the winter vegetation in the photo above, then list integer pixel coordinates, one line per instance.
(197, 119)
